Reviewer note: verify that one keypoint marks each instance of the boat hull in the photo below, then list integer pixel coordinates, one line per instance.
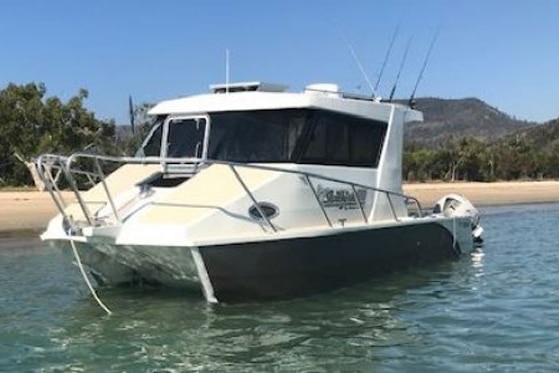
(278, 268)
(303, 266)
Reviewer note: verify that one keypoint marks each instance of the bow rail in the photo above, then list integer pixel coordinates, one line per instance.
(83, 169)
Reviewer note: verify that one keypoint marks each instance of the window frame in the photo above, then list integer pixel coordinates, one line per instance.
(165, 135)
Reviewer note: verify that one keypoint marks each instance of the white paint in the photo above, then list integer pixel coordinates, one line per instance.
(203, 276)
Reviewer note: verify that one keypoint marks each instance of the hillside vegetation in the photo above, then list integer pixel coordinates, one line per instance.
(469, 140)
(468, 117)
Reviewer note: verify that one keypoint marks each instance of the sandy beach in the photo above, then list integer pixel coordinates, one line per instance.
(487, 194)
(23, 210)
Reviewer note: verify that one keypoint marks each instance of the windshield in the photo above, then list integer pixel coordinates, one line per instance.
(151, 147)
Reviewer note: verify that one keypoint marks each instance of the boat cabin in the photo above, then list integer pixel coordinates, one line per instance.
(259, 123)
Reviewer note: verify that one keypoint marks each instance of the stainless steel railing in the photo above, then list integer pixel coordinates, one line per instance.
(90, 168)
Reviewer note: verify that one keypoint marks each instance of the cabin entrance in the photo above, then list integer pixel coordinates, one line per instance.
(185, 137)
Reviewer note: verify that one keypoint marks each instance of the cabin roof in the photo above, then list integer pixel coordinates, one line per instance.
(274, 100)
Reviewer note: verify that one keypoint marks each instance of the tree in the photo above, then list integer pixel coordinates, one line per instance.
(32, 124)
(127, 140)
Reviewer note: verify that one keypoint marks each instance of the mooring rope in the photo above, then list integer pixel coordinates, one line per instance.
(93, 293)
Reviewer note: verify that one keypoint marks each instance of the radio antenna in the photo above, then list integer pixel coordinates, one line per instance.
(396, 30)
(393, 91)
(358, 63)
(411, 101)
(226, 70)
(131, 114)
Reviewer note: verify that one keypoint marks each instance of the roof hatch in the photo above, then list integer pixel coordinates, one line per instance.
(247, 87)
(325, 89)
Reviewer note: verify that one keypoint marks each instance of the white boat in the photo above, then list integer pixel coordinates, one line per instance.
(253, 192)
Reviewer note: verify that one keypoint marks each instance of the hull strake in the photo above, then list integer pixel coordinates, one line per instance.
(276, 269)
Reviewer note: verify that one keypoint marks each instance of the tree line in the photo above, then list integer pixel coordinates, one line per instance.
(516, 157)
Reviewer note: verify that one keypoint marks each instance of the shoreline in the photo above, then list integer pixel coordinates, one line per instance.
(32, 210)
(487, 194)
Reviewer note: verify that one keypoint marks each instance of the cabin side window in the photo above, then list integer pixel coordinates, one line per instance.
(296, 136)
(338, 139)
(259, 136)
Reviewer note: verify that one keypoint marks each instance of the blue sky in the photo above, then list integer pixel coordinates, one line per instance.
(505, 52)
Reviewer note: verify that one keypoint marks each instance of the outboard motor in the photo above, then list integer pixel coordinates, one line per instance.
(456, 205)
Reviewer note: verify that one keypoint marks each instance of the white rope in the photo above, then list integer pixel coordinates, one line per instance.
(93, 293)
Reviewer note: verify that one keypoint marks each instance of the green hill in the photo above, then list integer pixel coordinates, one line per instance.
(468, 117)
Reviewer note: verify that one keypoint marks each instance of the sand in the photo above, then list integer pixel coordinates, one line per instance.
(486, 194)
(25, 210)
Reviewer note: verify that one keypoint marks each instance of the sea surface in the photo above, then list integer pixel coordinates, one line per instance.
(496, 310)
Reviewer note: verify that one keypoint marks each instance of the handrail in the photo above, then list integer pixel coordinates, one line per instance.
(106, 188)
(191, 160)
(256, 204)
(50, 183)
(356, 197)
(318, 200)
(47, 162)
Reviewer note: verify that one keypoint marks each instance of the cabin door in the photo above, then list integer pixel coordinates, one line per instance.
(186, 137)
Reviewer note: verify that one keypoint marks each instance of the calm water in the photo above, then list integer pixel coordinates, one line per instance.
(496, 310)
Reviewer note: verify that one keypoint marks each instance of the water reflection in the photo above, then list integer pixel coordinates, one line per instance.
(477, 262)
(160, 329)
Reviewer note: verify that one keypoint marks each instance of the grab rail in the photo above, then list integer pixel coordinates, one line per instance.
(48, 163)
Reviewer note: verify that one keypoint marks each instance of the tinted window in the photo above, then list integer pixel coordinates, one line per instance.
(186, 137)
(296, 135)
(344, 140)
(262, 136)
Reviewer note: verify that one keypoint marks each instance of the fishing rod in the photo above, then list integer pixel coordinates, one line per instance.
(359, 64)
(400, 70)
(411, 101)
(386, 56)
(356, 60)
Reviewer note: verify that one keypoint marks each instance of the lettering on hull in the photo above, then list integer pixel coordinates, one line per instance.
(341, 198)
